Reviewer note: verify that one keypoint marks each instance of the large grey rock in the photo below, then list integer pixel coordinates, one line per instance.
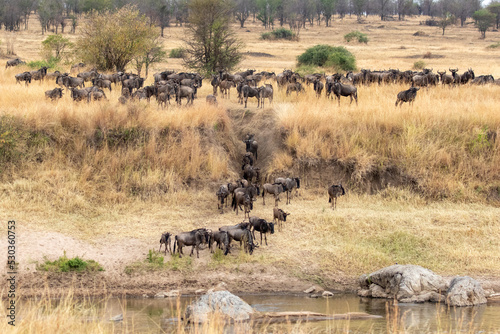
(222, 302)
(406, 283)
(465, 291)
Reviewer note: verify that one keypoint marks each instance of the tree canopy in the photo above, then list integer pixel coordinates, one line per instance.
(211, 44)
(484, 20)
(112, 39)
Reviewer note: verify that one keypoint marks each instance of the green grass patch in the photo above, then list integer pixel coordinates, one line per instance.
(155, 261)
(177, 53)
(52, 63)
(494, 46)
(64, 265)
(280, 33)
(356, 35)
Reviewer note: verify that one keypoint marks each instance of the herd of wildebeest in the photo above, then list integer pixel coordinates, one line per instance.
(171, 85)
(244, 192)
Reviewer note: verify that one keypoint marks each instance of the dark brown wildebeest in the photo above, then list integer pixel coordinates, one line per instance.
(340, 89)
(408, 95)
(251, 173)
(14, 62)
(185, 91)
(446, 79)
(69, 82)
(262, 226)
(80, 94)
(248, 91)
(166, 240)
(25, 76)
(101, 83)
(54, 94)
(240, 232)
(294, 87)
(221, 238)
(215, 83)
(334, 191)
(193, 238)
(280, 216)
(318, 87)
(239, 199)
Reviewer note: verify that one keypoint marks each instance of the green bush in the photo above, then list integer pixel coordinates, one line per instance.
(52, 63)
(63, 264)
(419, 64)
(338, 58)
(356, 35)
(494, 46)
(177, 53)
(280, 33)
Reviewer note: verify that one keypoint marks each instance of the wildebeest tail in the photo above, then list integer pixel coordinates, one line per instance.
(175, 243)
(233, 203)
(343, 190)
(329, 200)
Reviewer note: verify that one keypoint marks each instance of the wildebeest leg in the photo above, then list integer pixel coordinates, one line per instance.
(263, 200)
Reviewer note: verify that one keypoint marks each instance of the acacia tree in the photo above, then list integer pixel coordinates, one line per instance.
(446, 20)
(211, 43)
(484, 19)
(112, 39)
(494, 7)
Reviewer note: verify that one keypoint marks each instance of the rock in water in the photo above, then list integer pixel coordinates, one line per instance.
(222, 302)
(406, 283)
(465, 291)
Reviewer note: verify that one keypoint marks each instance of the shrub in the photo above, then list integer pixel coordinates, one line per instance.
(177, 53)
(357, 35)
(338, 58)
(494, 46)
(63, 264)
(418, 65)
(281, 33)
(52, 63)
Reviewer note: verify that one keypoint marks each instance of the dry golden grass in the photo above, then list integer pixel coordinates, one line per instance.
(103, 169)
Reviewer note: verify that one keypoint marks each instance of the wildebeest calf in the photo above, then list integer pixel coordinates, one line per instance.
(334, 191)
(407, 96)
(166, 240)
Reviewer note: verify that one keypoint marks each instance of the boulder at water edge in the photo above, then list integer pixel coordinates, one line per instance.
(406, 283)
(222, 302)
(465, 291)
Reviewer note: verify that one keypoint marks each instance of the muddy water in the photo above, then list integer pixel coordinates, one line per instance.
(160, 315)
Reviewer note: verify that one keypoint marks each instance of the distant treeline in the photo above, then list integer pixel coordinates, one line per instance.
(59, 15)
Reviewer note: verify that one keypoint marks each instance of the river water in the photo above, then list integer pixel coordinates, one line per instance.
(160, 315)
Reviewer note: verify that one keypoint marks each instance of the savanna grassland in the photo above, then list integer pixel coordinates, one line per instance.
(104, 180)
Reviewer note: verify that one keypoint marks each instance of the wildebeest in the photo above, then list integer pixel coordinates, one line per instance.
(288, 184)
(225, 88)
(467, 76)
(88, 76)
(446, 79)
(76, 67)
(251, 144)
(279, 216)
(39, 74)
(69, 82)
(215, 83)
(193, 238)
(80, 94)
(221, 238)
(222, 195)
(248, 91)
(408, 95)
(133, 83)
(334, 191)
(294, 87)
(166, 240)
(241, 233)
(262, 226)
(184, 91)
(318, 87)
(266, 92)
(54, 94)
(247, 160)
(25, 76)
(251, 173)
(483, 80)
(96, 94)
(274, 189)
(102, 83)
(239, 199)
(340, 89)
(211, 99)
(14, 62)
